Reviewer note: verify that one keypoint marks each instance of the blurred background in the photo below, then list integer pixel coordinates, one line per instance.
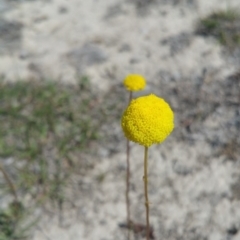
(62, 151)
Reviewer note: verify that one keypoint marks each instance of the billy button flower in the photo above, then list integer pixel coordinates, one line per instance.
(147, 120)
(134, 82)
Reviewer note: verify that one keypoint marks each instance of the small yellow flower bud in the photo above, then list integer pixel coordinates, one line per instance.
(134, 82)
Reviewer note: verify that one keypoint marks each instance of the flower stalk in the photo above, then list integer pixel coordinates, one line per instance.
(128, 180)
(145, 179)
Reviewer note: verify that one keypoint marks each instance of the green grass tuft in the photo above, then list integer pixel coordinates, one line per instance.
(224, 26)
(12, 221)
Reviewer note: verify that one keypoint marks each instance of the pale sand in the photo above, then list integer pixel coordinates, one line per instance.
(185, 192)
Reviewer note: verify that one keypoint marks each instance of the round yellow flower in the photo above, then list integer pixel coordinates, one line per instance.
(134, 82)
(148, 120)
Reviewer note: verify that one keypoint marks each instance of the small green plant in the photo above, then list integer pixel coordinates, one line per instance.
(13, 224)
(223, 25)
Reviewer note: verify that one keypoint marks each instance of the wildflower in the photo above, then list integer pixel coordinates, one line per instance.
(134, 82)
(147, 120)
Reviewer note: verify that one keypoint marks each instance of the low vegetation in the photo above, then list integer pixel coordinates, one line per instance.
(224, 26)
(45, 127)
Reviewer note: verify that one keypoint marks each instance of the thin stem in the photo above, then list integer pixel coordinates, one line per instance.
(9, 182)
(128, 181)
(130, 97)
(127, 188)
(145, 179)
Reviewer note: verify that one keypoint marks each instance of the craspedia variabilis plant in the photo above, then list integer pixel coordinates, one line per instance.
(133, 83)
(147, 120)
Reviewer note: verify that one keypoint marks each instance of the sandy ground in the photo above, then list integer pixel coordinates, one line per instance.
(194, 193)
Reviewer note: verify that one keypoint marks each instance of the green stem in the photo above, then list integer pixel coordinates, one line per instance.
(9, 182)
(130, 96)
(128, 181)
(145, 179)
(127, 189)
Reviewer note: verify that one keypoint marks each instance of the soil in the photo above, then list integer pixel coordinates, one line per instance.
(194, 176)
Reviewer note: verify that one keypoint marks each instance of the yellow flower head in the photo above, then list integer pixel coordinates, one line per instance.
(148, 120)
(134, 82)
